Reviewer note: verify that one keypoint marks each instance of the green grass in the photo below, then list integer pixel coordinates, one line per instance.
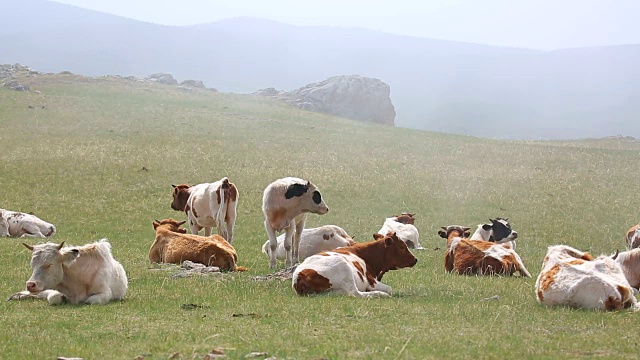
(78, 164)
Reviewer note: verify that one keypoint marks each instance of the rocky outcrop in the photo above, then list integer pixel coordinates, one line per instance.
(7, 76)
(161, 78)
(268, 92)
(193, 84)
(354, 97)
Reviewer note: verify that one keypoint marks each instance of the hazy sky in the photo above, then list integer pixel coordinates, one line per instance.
(537, 24)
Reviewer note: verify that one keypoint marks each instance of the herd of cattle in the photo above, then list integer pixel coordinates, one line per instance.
(329, 260)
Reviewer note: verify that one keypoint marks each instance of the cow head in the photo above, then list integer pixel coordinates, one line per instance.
(455, 231)
(180, 197)
(498, 231)
(406, 218)
(308, 198)
(396, 252)
(171, 225)
(4, 225)
(47, 262)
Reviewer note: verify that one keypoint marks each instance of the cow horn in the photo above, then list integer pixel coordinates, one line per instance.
(615, 256)
(173, 186)
(61, 245)
(182, 222)
(28, 246)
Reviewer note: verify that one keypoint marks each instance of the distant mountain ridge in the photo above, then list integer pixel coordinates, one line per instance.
(436, 85)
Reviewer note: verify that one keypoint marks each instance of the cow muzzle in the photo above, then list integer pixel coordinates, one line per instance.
(32, 287)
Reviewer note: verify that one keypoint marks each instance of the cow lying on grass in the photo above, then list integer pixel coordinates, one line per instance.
(353, 270)
(173, 245)
(208, 205)
(478, 257)
(285, 204)
(633, 237)
(77, 274)
(403, 226)
(313, 241)
(570, 277)
(498, 230)
(17, 224)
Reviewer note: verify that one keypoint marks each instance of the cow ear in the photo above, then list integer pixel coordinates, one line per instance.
(377, 236)
(296, 190)
(388, 241)
(486, 226)
(442, 233)
(70, 255)
(28, 246)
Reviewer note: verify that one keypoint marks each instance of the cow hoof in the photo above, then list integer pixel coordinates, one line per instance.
(56, 299)
(20, 296)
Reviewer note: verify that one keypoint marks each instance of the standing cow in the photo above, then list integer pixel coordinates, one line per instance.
(208, 205)
(285, 204)
(77, 274)
(18, 224)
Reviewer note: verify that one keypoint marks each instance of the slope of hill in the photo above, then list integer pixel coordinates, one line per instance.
(97, 157)
(438, 85)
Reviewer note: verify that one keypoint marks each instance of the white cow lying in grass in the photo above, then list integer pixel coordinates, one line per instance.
(313, 241)
(570, 277)
(403, 226)
(18, 224)
(77, 274)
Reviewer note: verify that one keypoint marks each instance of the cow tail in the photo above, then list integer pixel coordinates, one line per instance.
(222, 209)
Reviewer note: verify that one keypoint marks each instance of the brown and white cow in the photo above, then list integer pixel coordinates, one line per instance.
(285, 204)
(77, 274)
(172, 245)
(313, 241)
(478, 257)
(403, 226)
(354, 270)
(570, 277)
(633, 237)
(18, 224)
(208, 205)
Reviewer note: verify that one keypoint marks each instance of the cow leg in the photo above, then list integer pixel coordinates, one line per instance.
(273, 244)
(231, 220)
(100, 298)
(32, 232)
(288, 235)
(54, 297)
(207, 231)
(296, 241)
(193, 226)
(378, 286)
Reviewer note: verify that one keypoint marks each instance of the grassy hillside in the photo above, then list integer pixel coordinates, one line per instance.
(74, 155)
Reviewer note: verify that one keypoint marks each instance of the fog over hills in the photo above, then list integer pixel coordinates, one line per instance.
(435, 85)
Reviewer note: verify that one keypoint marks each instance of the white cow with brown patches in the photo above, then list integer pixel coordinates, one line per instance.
(313, 241)
(633, 237)
(478, 257)
(77, 274)
(18, 224)
(285, 204)
(570, 277)
(208, 205)
(403, 226)
(353, 270)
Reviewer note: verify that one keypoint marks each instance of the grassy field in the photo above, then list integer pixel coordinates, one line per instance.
(74, 155)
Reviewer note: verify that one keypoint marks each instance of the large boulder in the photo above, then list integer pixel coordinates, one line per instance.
(161, 78)
(354, 97)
